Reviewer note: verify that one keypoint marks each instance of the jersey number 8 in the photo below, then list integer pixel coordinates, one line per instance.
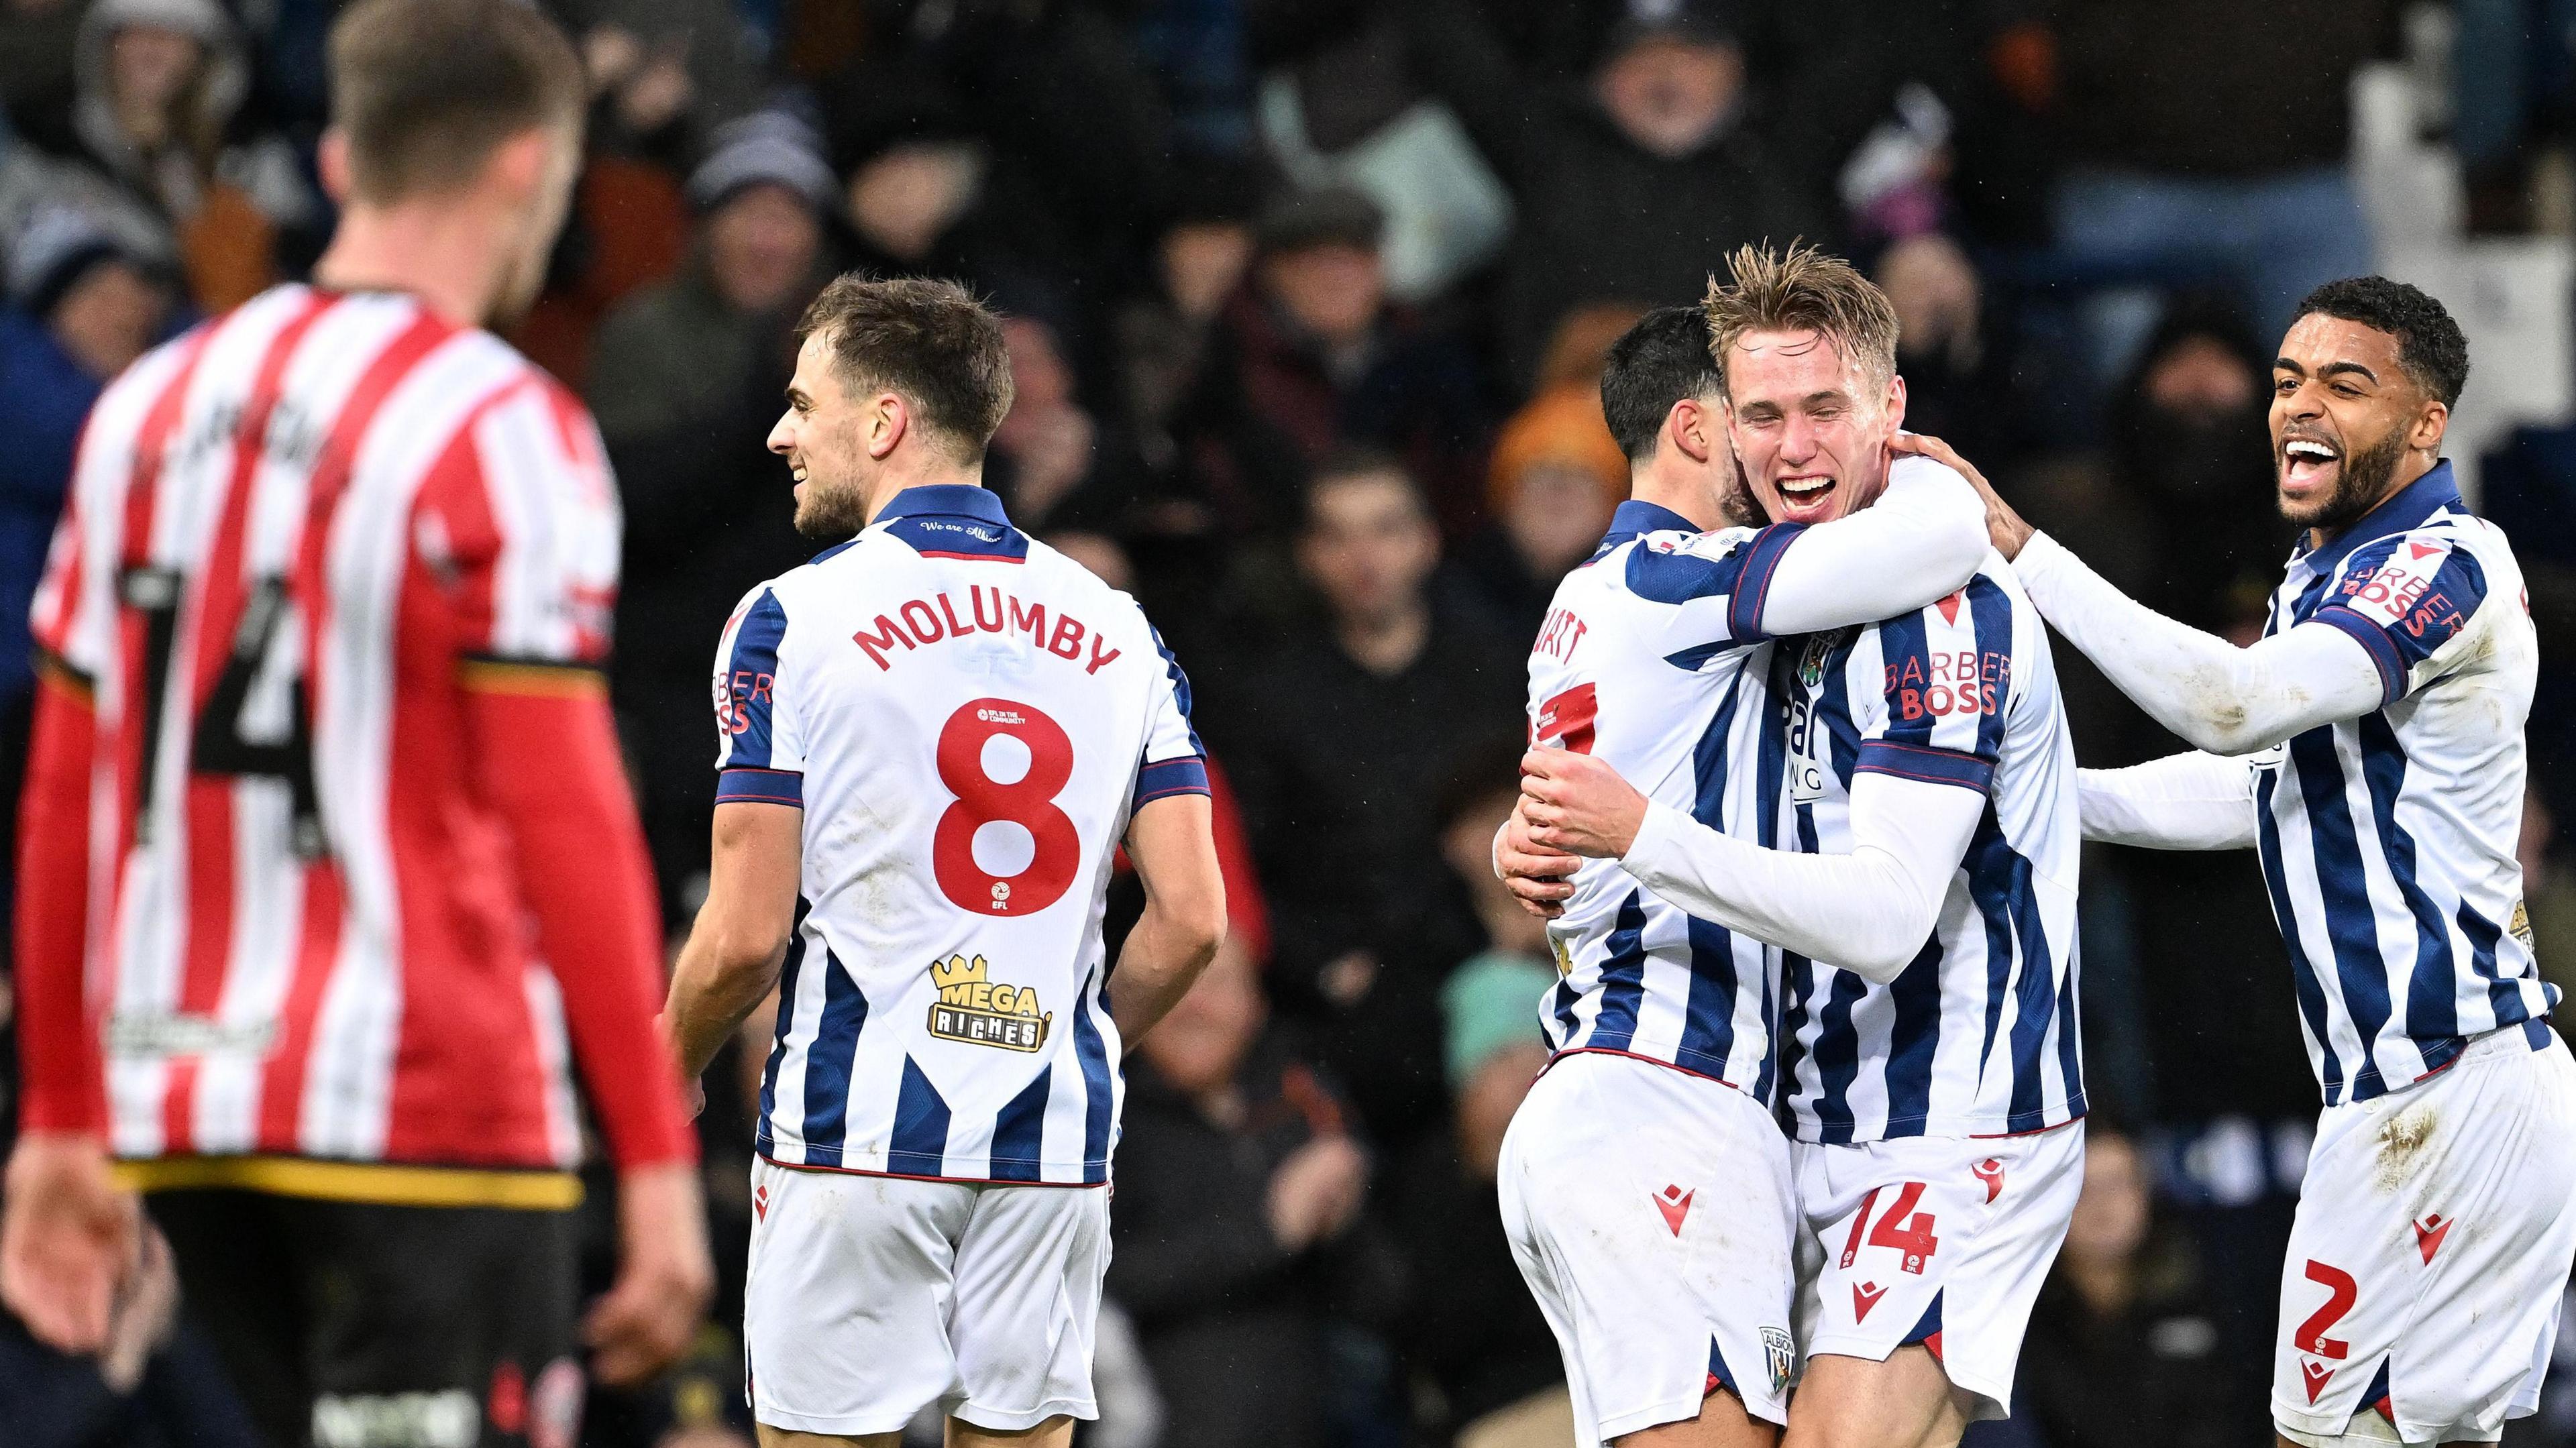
(1027, 801)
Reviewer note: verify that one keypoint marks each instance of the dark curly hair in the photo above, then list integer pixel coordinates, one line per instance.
(2429, 344)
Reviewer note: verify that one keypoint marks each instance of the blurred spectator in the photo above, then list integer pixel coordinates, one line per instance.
(1231, 472)
(2121, 1336)
(676, 354)
(662, 72)
(1339, 736)
(2209, 135)
(2548, 893)
(924, 192)
(1326, 359)
(1470, 1326)
(1957, 379)
(1555, 476)
(158, 85)
(686, 381)
(1053, 462)
(82, 304)
(1238, 1189)
(1063, 110)
(1632, 185)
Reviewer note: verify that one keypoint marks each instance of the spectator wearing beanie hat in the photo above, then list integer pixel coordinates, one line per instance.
(685, 381)
(1555, 477)
(1322, 355)
(677, 352)
(159, 84)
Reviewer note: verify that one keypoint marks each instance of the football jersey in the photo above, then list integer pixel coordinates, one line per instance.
(968, 719)
(1643, 662)
(2387, 841)
(1977, 1036)
(292, 533)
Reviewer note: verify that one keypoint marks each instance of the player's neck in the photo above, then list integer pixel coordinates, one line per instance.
(1682, 489)
(2410, 469)
(448, 256)
(918, 468)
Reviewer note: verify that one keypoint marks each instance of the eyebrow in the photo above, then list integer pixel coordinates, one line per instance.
(2284, 364)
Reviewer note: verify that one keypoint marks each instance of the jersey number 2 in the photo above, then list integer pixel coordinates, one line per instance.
(1028, 801)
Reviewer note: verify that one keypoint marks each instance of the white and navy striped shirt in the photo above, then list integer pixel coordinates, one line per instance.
(1643, 662)
(1978, 1035)
(968, 719)
(2387, 841)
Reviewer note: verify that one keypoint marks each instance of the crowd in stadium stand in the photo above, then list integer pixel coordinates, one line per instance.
(1307, 304)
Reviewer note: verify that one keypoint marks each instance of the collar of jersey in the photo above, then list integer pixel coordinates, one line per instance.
(1636, 517)
(948, 500)
(2414, 503)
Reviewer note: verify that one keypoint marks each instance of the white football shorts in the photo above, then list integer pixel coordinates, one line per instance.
(872, 1297)
(2431, 1251)
(1650, 1212)
(1943, 1241)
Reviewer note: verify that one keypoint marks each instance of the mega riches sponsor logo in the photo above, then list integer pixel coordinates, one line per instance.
(978, 1011)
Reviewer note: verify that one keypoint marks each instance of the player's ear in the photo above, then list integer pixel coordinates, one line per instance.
(2431, 421)
(520, 161)
(888, 421)
(1692, 428)
(1895, 401)
(332, 158)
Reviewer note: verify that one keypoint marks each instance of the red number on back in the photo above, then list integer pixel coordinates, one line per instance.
(1028, 802)
(1915, 1238)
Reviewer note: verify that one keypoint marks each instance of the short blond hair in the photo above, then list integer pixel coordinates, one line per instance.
(1802, 290)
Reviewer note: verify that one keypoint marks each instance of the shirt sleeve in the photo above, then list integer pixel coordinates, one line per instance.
(1175, 762)
(2427, 593)
(2192, 801)
(521, 514)
(760, 746)
(1923, 539)
(1948, 672)
(2220, 698)
(1869, 911)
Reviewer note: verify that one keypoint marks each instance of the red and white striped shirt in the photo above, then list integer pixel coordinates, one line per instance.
(327, 560)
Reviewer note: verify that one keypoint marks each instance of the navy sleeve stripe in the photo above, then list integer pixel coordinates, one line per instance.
(760, 786)
(1186, 775)
(2383, 653)
(1926, 763)
(1753, 589)
(751, 676)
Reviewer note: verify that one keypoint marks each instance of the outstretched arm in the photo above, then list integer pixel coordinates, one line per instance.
(2181, 802)
(1922, 540)
(1869, 911)
(2220, 698)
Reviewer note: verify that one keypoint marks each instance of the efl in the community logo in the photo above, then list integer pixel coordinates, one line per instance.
(981, 1012)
